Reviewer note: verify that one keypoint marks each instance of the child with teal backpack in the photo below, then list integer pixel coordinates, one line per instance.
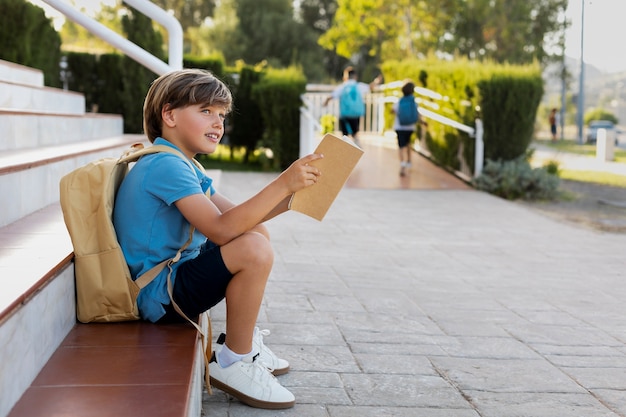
(406, 118)
(351, 95)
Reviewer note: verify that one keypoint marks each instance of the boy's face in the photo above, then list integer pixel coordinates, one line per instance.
(196, 129)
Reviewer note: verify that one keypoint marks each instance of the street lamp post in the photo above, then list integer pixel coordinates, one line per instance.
(581, 80)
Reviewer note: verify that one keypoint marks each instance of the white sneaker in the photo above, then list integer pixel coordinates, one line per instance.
(251, 383)
(276, 365)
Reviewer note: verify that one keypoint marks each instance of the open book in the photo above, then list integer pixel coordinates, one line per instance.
(340, 158)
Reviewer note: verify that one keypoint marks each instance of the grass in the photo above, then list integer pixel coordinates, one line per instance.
(226, 160)
(571, 146)
(604, 178)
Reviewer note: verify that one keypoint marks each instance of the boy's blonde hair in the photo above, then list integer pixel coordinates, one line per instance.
(180, 89)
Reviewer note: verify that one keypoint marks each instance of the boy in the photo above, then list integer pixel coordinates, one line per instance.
(404, 132)
(230, 255)
(349, 123)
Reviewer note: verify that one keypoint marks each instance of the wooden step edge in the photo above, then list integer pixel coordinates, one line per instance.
(38, 286)
(14, 161)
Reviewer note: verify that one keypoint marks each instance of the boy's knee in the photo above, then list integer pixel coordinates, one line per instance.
(258, 248)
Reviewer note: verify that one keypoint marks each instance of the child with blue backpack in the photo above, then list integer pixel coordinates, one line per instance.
(406, 119)
(351, 95)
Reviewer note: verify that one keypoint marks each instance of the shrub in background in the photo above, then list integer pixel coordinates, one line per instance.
(247, 121)
(505, 97)
(515, 179)
(28, 37)
(279, 96)
(599, 114)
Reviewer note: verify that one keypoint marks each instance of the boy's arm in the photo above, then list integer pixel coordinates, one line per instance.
(222, 227)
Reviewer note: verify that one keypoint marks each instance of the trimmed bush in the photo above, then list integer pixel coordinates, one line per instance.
(28, 38)
(505, 97)
(278, 94)
(516, 179)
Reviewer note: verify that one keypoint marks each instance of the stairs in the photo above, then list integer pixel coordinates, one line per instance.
(45, 134)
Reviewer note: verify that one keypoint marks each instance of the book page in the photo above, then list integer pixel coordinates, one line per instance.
(340, 158)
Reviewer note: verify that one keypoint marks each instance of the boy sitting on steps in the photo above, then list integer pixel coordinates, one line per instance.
(230, 255)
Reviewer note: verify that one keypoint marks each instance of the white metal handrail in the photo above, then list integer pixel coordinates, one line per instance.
(175, 34)
(313, 109)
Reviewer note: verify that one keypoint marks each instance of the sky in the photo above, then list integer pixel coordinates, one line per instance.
(604, 31)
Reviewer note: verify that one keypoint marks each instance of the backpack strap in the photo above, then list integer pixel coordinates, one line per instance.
(137, 151)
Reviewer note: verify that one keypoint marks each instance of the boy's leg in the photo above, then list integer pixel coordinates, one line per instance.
(249, 258)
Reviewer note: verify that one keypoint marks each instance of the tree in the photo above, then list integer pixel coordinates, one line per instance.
(318, 16)
(268, 32)
(219, 34)
(190, 14)
(137, 78)
(511, 31)
(28, 37)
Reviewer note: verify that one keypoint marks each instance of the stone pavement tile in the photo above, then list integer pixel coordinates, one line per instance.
(230, 407)
(612, 359)
(401, 364)
(307, 358)
(613, 399)
(487, 347)
(418, 391)
(428, 346)
(386, 328)
(561, 335)
(599, 378)
(505, 375)
(537, 404)
(554, 352)
(358, 411)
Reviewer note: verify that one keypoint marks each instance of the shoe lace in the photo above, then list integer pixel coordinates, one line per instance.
(260, 373)
(266, 351)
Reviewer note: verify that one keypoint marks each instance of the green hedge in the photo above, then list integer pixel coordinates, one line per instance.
(28, 37)
(246, 119)
(278, 93)
(505, 97)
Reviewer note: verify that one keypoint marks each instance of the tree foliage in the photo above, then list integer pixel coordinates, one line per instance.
(189, 13)
(268, 31)
(28, 37)
(512, 31)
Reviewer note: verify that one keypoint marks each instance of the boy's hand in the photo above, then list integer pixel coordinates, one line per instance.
(301, 174)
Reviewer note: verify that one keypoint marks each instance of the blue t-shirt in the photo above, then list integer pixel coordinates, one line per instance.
(149, 227)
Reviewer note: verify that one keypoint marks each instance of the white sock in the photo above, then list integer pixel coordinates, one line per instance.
(227, 357)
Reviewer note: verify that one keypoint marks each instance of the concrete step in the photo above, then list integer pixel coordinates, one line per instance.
(29, 129)
(44, 99)
(19, 74)
(29, 179)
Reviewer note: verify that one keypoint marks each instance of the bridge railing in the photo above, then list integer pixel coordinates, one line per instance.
(373, 122)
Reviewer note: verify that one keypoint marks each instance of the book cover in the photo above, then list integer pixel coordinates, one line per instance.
(340, 158)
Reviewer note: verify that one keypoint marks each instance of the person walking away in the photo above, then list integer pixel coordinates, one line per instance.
(552, 120)
(351, 95)
(230, 256)
(405, 120)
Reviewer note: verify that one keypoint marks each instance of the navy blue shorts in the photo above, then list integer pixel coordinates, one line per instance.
(404, 137)
(200, 284)
(349, 125)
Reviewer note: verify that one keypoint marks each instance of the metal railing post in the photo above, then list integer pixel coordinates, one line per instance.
(479, 151)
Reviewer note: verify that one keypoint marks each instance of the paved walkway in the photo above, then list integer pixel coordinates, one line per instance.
(440, 303)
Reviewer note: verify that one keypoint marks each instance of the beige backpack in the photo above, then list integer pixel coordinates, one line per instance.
(105, 291)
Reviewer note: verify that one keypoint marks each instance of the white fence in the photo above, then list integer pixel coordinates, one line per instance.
(374, 121)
